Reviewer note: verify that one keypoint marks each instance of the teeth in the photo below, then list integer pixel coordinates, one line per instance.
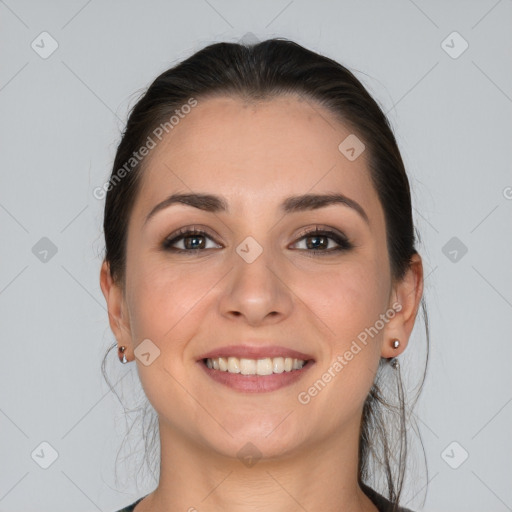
(247, 366)
(278, 365)
(233, 365)
(265, 366)
(223, 364)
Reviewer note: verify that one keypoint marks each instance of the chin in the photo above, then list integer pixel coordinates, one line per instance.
(257, 443)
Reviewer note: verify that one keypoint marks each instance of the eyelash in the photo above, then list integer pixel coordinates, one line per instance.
(343, 243)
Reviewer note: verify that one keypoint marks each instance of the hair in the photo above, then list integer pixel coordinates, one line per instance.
(262, 71)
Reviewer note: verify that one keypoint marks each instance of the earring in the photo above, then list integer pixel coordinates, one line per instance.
(393, 361)
(120, 351)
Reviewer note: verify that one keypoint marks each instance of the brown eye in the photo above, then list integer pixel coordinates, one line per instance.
(317, 241)
(191, 241)
(321, 241)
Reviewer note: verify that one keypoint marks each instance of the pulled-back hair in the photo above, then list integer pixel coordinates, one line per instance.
(258, 72)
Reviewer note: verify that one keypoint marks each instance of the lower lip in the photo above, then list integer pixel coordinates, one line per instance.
(256, 383)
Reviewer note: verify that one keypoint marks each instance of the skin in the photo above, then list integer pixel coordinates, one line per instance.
(255, 155)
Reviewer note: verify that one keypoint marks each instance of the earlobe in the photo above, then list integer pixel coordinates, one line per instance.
(407, 295)
(117, 317)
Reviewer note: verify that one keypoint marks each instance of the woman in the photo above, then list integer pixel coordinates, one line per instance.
(261, 269)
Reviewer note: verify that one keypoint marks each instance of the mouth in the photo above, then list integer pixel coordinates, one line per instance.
(255, 375)
(260, 367)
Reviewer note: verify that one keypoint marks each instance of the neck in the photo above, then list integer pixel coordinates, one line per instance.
(316, 477)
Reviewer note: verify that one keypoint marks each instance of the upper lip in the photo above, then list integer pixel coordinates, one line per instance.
(255, 352)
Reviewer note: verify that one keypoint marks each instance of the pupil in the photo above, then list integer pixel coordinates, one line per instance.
(194, 238)
(316, 238)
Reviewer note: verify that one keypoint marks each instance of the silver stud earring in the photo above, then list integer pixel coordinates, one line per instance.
(396, 343)
(121, 353)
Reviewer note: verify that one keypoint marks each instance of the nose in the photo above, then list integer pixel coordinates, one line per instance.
(256, 291)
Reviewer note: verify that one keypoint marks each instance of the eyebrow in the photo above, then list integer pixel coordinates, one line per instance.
(305, 202)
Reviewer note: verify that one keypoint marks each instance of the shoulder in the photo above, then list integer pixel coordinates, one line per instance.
(382, 503)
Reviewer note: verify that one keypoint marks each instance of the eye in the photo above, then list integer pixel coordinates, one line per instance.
(191, 240)
(319, 241)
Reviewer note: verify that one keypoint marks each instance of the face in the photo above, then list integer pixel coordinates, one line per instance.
(267, 275)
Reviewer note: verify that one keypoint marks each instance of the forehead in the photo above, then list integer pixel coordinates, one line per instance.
(255, 153)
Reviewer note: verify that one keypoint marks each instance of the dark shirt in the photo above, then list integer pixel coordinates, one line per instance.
(382, 504)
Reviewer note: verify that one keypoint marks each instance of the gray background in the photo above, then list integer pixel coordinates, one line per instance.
(60, 124)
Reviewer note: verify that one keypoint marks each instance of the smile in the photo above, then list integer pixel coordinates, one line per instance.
(266, 366)
(255, 375)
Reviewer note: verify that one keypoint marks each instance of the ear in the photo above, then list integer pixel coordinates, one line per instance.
(405, 300)
(118, 316)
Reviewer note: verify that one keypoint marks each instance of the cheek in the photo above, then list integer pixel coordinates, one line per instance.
(163, 304)
(349, 301)
(348, 298)
(163, 294)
